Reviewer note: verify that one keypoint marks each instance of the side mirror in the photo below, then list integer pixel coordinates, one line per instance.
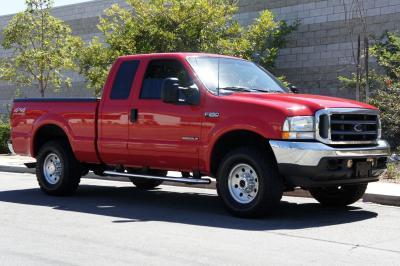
(170, 90)
(294, 89)
(172, 93)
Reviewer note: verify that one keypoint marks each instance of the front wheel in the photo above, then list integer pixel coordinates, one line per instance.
(249, 183)
(338, 195)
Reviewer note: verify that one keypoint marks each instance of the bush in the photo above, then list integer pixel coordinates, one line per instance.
(384, 84)
(388, 101)
(387, 95)
(4, 136)
(393, 172)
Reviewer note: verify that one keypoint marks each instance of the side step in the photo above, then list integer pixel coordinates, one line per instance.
(30, 165)
(163, 178)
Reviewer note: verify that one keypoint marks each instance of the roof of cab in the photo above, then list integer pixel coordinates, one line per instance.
(173, 55)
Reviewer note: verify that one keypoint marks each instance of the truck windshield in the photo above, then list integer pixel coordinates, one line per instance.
(224, 75)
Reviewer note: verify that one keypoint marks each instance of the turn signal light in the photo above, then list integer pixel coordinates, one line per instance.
(297, 135)
(285, 135)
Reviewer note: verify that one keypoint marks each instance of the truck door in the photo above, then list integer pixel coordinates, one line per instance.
(113, 113)
(164, 135)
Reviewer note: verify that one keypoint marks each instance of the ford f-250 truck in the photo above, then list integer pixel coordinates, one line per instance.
(204, 115)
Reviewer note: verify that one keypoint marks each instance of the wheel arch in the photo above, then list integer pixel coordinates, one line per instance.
(46, 133)
(232, 140)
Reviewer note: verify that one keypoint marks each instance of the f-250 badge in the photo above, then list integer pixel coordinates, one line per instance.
(20, 110)
(211, 114)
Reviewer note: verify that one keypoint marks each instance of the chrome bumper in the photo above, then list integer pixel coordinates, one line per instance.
(311, 153)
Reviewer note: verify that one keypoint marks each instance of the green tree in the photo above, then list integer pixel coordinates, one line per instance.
(387, 53)
(387, 91)
(42, 48)
(385, 85)
(388, 102)
(184, 26)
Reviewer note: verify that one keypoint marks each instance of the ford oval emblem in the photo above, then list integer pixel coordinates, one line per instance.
(358, 128)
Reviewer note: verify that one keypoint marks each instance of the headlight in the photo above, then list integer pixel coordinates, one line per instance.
(379, 128)
(299, 127)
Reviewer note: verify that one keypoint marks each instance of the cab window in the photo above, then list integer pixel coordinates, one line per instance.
(157, 71)
(122, 85)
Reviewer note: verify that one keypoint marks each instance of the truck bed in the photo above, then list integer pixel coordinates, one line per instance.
(76, 116)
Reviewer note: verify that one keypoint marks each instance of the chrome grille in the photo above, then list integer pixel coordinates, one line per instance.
(347, 126)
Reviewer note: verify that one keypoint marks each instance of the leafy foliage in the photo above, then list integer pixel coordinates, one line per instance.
(4, 136)
(393, 172)
(385, 85)
(375, 82)
(387, 53)
(184, 26)
(388, 101)
(42, 47)
(387, 88)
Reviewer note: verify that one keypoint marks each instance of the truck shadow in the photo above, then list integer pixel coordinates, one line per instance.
(127, 204)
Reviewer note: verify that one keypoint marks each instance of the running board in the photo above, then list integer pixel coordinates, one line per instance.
(30, 165)
(163, 178)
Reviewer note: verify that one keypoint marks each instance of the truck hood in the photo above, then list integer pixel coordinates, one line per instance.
(299, 104)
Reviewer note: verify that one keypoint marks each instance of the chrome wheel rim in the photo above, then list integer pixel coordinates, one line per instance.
(52, 168)
(243, 183)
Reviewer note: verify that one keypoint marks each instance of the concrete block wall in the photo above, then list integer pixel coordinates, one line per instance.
(322, 48)
(316, 54)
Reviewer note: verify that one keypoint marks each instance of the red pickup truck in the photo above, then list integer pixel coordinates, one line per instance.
(204, 115)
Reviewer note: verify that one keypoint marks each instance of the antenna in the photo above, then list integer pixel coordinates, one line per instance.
(218, 77)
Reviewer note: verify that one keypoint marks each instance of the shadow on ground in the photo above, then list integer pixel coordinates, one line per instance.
(127, 204)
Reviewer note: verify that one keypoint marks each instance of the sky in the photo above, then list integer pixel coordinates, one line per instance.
(15, 6)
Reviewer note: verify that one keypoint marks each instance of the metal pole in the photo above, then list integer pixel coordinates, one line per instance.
(366, 47)
(358, 78)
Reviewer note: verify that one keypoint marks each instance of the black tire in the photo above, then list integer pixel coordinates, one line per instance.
(338, 196)
(146, 184)
(270, 183)
(185, 174)
(70, 173)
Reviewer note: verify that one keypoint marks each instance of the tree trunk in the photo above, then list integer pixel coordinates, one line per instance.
(366, 47)
(41, 88)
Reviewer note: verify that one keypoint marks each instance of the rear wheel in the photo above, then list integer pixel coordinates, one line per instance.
(338, 195)
(57, 171)
(143, 183)
(248, 183)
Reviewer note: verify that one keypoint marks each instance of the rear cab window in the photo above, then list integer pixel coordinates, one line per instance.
(123, 80)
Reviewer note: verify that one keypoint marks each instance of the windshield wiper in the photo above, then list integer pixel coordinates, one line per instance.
(246, 89)
(237, 88)
(272, 91)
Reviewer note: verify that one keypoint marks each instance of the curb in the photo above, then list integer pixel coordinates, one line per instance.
(382, 199)
(16, 169)
(368, 197)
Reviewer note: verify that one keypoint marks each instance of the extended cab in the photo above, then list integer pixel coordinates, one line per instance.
(204, 115)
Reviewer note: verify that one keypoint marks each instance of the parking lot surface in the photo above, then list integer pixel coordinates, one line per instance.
(108, 222)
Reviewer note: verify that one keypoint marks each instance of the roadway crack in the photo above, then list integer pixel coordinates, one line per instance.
(352, 246)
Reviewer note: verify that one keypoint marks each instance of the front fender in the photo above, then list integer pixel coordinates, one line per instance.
(271, 130)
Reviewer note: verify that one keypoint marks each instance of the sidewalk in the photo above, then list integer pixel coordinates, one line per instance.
(379, 192)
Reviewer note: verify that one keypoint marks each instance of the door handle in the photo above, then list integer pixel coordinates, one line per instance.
(134, 115)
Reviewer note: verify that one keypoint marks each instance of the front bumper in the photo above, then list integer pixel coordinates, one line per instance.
(310, 164)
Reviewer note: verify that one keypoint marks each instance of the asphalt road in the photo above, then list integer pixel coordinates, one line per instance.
(112, 223)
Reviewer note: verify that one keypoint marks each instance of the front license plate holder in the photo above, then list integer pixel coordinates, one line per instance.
(363, 169)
